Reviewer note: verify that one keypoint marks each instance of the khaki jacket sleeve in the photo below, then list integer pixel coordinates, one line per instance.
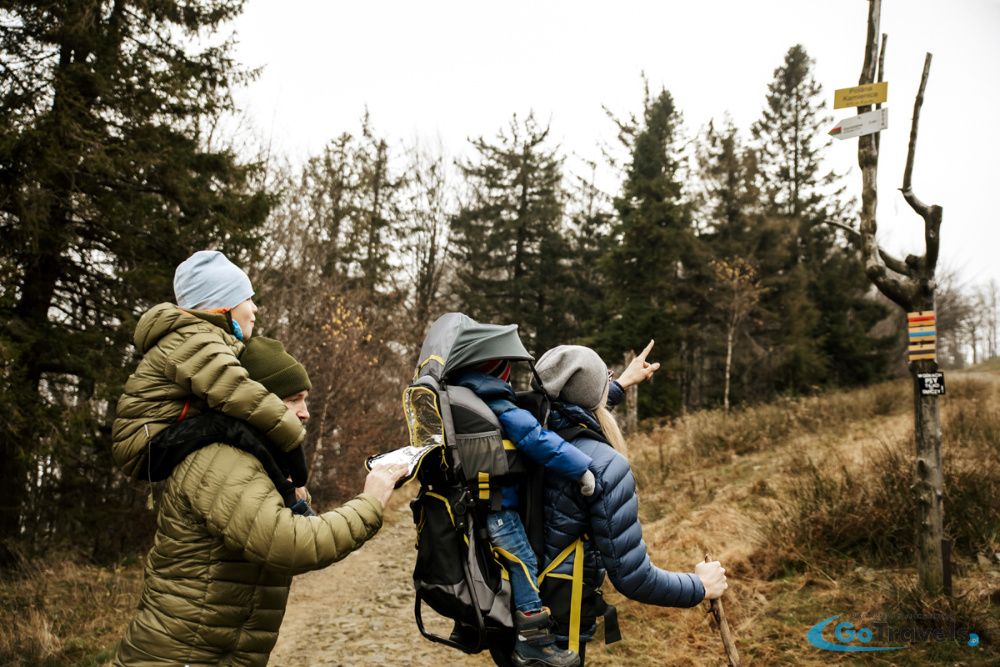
(206, 367)
(232, 493)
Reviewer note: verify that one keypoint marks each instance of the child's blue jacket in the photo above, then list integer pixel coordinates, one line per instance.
(541, 445)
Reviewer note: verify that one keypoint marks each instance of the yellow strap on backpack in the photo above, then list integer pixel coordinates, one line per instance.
(563, 555)
(484, 486)
(576, 598)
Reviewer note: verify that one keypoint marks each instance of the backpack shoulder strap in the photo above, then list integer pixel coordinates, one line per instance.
(570, 433)
(536, 403)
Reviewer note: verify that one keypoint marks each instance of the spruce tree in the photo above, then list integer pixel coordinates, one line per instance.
(819, 301)
(731, 197)
(106, 183)
(509, 239)
(325, 201)
(376, 216)
(591, 218)
(791, 135)
(654, 265)
(343, 218)
(731, 218)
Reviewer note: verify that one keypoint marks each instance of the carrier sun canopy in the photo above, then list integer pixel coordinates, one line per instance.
(456, 340)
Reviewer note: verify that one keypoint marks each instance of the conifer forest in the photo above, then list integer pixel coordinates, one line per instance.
(111, 175)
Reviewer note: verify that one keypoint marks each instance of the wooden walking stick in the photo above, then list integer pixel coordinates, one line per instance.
(715, 608)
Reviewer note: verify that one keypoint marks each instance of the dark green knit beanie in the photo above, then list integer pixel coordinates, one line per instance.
(267, 362)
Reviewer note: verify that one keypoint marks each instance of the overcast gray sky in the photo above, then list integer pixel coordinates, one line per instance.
(444, 71)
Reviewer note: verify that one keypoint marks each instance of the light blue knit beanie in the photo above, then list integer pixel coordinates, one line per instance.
(208, 280)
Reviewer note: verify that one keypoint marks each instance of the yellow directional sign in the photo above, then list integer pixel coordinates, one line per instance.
(872, 93)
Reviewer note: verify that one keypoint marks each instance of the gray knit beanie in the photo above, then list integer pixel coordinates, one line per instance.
(207, 280)
(574, 374)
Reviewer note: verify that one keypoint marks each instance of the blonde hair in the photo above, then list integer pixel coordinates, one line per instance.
(609, 425)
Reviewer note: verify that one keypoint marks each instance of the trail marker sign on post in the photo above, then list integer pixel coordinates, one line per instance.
(922, 335)
(860, 125)
(859, 96)
(931, 384)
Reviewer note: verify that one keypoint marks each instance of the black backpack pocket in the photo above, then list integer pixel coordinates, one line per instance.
(439, 573)
(482, 452)
(455, 572)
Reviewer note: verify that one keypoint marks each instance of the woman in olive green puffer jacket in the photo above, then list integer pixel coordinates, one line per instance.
(189, 364)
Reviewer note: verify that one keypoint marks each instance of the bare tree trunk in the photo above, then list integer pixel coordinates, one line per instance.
(911, 284)
(928, 488)
(991, 300)
(740, 294)
(729, 364)
(631, 400)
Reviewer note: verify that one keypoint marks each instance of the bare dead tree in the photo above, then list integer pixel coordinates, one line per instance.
(739, 290)
(631, 400)
(909, 283)
(974, 323)
(991, 292)
(425, 249)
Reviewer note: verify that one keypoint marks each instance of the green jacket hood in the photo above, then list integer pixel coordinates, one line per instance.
(165, 318)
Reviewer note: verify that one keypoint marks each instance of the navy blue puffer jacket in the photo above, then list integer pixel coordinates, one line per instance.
(610, 520)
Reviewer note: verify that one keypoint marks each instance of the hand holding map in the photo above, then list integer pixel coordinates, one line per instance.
(409, 456)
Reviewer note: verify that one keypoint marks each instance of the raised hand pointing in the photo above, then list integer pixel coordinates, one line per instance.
(639, 370)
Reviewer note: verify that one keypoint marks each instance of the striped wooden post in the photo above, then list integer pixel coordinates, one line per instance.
(922, 335)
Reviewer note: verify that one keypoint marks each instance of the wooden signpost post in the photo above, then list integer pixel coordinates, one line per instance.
(910, 283)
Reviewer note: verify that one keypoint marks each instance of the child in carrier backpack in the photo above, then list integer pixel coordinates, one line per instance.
(489, 380)
(191, 368)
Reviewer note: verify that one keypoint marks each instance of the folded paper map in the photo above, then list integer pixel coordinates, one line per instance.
(409, 456)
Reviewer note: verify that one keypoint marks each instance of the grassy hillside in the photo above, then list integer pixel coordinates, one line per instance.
(988, 366)
(806, 502)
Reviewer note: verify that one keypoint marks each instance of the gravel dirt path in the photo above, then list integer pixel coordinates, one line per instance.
(360, 611)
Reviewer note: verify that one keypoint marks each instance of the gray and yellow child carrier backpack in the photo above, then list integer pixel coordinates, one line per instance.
(456, 573)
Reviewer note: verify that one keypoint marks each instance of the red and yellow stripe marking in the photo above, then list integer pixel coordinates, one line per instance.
(922, 335)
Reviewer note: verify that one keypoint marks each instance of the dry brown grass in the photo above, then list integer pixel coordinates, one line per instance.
(717, 483)
(712, 437)
(58, 612)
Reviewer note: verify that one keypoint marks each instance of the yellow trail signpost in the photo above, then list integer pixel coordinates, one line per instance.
(858, 96)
